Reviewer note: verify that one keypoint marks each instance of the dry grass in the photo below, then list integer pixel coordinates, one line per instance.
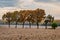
(29, 34)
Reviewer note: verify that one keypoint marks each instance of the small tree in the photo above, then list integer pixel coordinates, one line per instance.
(54, 25)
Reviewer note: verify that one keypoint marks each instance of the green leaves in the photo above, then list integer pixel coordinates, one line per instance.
(54, 25)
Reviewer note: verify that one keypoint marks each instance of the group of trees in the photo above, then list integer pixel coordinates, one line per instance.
(22, 16)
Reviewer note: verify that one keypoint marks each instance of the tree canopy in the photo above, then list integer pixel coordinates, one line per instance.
(37, 14)
(32, 16)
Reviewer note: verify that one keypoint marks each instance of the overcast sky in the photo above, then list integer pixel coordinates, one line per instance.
(50, 6)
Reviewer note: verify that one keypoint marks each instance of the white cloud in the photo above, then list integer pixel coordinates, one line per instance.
(52, 8)
(7, 9)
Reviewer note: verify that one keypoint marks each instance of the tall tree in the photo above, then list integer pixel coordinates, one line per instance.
(29, 19)
(22, 17)
(16, 17)
(40, 13)
(7, 17)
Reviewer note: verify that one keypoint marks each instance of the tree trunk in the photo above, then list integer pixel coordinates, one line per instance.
(23, 25)
(29, 25)
(9, 24)
(37, 25)
(16, 25)
(45, 25)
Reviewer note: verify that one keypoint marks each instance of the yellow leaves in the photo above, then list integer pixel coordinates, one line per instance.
(24, 14)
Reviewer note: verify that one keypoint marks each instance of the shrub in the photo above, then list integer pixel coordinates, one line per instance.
(54, 25)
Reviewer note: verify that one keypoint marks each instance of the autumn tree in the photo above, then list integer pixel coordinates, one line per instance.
(40, 13)
(7, 17)
(16, 17)
(23, 14)
(29, 18)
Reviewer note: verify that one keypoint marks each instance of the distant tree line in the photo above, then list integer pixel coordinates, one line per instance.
(31, 16)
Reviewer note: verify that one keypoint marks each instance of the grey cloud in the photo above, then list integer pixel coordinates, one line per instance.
(8, 3)
(47, 0)
(42, 1)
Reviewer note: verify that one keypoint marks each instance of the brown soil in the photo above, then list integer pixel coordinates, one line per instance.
(29, 34)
